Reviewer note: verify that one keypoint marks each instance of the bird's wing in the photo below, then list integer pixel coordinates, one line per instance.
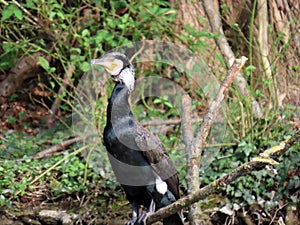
(157, 157)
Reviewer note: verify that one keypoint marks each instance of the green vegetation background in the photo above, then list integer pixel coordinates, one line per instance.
(75, 32)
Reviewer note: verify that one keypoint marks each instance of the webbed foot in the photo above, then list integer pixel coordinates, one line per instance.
(142, 219)
(131, 222)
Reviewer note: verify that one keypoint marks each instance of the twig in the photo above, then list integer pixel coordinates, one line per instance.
(243, 120)
(275, 214)
(54, 166)
(222, 92)
(257, 163)
(226, 51)
(140, 50)
(31, 17)
(4, 2)
(175, 121)
(58, 147)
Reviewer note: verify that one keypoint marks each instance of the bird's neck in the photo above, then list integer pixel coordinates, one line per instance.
(118, 106)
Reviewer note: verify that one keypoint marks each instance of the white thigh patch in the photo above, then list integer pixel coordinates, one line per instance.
(161, 186)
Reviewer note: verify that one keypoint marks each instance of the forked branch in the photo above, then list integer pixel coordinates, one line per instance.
(194, 145)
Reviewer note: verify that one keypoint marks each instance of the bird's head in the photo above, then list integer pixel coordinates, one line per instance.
(119, 67)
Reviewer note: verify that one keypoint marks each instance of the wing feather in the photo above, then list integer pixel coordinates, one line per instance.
(157, 157)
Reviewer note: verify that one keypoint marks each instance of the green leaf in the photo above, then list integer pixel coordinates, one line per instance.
(85, 66)
(60, 14)
(7, 47)
(168, 104)
(52, 69)
(157, 101)
(11, 119)
(29, 4)
(52, 84)
(44, 63)
(18, 13)
(52, 15)
(6, 14)
(85, 33)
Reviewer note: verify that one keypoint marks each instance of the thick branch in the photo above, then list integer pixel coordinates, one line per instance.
(267, 158)
(192, 176)
(221, 41)
(60, 146)
(194, 146)
(186, 122)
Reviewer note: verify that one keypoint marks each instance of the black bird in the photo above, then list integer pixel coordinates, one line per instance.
(139, 161)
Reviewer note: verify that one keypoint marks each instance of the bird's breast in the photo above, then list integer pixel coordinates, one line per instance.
(119, 139)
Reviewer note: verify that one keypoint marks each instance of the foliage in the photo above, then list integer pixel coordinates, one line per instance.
(265, 187)
(18, 172)
(73, 33)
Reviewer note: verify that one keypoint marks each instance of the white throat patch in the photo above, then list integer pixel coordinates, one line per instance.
(127, 77)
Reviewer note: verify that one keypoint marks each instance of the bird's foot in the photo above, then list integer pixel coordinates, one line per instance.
(131, 222)
(142, 219)
(133, 219)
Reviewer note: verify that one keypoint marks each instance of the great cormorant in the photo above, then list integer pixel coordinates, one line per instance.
(139, 161)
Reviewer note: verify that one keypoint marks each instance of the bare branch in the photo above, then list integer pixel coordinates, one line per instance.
(266, 158)
(222, 92)
(195, 150)
(186, 122)
(192, 176)
(58, 147)
(30, 18)
(203, 131)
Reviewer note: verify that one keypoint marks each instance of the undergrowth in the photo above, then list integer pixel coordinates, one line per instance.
(73, 33)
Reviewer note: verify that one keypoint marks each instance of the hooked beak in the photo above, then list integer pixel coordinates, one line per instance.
(111, 65)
